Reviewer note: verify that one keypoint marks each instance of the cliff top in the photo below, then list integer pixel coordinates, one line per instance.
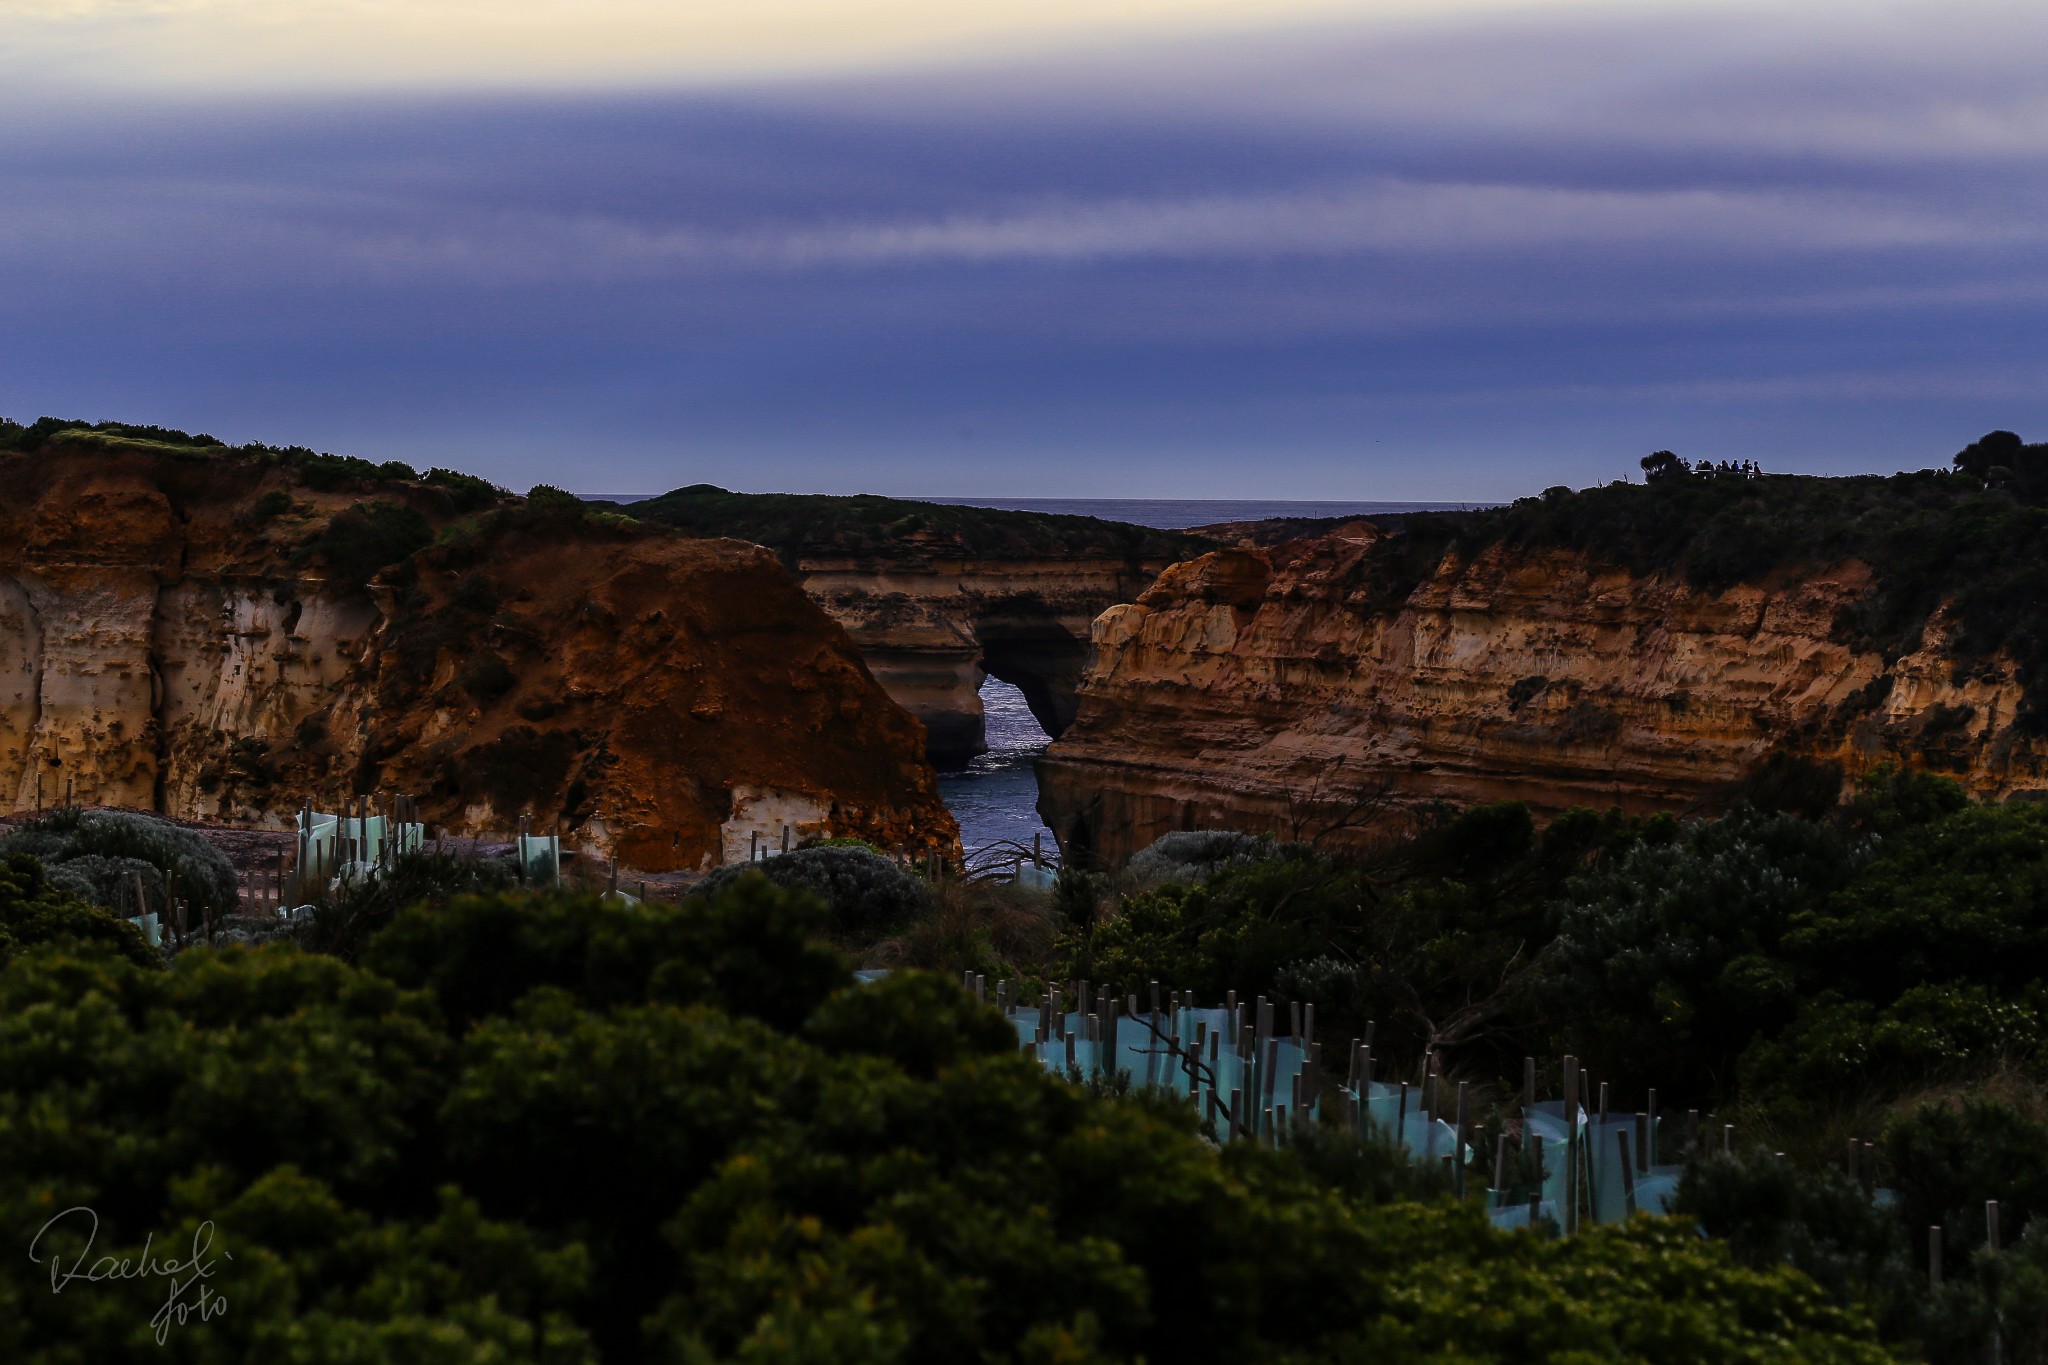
(1972, 537)
(796, 525)
(285, 625)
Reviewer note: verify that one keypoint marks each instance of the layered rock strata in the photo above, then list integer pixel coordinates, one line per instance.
(933, 625)
(941, 596)
(176, 634)
(1272, 689)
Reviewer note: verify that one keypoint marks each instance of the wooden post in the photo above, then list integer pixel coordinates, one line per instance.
(1570, 1220)
(1649, 1136)
(1934, 1256)
(1500, 1164)
(1628, 1174)
(1458, 1145)
(1528, 1087)
(1643, 1140)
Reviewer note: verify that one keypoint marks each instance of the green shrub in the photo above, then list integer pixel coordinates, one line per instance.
(366, 538)
(557, 1132)
(1192, 856)
(467, 492)
(118, 842)
(867, 894)
(35, 909)
(1666, 962)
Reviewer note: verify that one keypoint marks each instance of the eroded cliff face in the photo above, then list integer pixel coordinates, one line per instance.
(932, 625)
(941, 596)
(175, 636)
(1272, 689)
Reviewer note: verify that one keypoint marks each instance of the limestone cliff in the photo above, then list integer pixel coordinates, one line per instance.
(1291, 689)
(938, 597)
(198, 631)
(932, 625)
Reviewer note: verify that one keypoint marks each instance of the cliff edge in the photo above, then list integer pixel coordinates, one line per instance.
(1661, 647)
(221, 633)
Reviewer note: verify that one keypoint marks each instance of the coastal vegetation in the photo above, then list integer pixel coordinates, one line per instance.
(1877, 973)
(452, 1119)
(460, 1120)
(1972, 538)
(535, 1128)
(799, 524)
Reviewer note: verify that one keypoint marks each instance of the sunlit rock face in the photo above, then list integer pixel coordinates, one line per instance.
(1271, 689)
(174, 637)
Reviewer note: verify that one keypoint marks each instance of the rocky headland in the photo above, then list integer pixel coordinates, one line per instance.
(219, 633)
(939, 597)
(1669, 647)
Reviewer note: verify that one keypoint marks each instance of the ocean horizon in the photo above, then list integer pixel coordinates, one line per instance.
(1164, 514)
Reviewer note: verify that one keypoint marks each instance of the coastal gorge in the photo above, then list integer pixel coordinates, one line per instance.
(224, 633)
(937, 597)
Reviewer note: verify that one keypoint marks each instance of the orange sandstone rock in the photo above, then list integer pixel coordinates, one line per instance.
(167, 644)
(1270, 690)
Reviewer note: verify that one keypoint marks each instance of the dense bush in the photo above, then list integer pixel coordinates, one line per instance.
(1430, 939)
(794, 524)
(867, 894)
(92, 853)
(1192, 856)
(1666, 962)
(346, 917)
(34, 910)
(370, 536)
(532, 1130)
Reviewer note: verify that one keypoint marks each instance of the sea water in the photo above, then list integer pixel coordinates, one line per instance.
(995, 798)
(1178, 514)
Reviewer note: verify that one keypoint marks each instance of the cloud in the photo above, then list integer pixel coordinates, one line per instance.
(303, 45)
(1379, 218)
(1510, 240)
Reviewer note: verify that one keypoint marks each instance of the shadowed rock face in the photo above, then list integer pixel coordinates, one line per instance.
(938, 597)
(1269, 689)
(932, 627)
(189, 632)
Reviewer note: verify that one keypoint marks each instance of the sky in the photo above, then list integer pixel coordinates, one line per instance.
(1306, 249)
